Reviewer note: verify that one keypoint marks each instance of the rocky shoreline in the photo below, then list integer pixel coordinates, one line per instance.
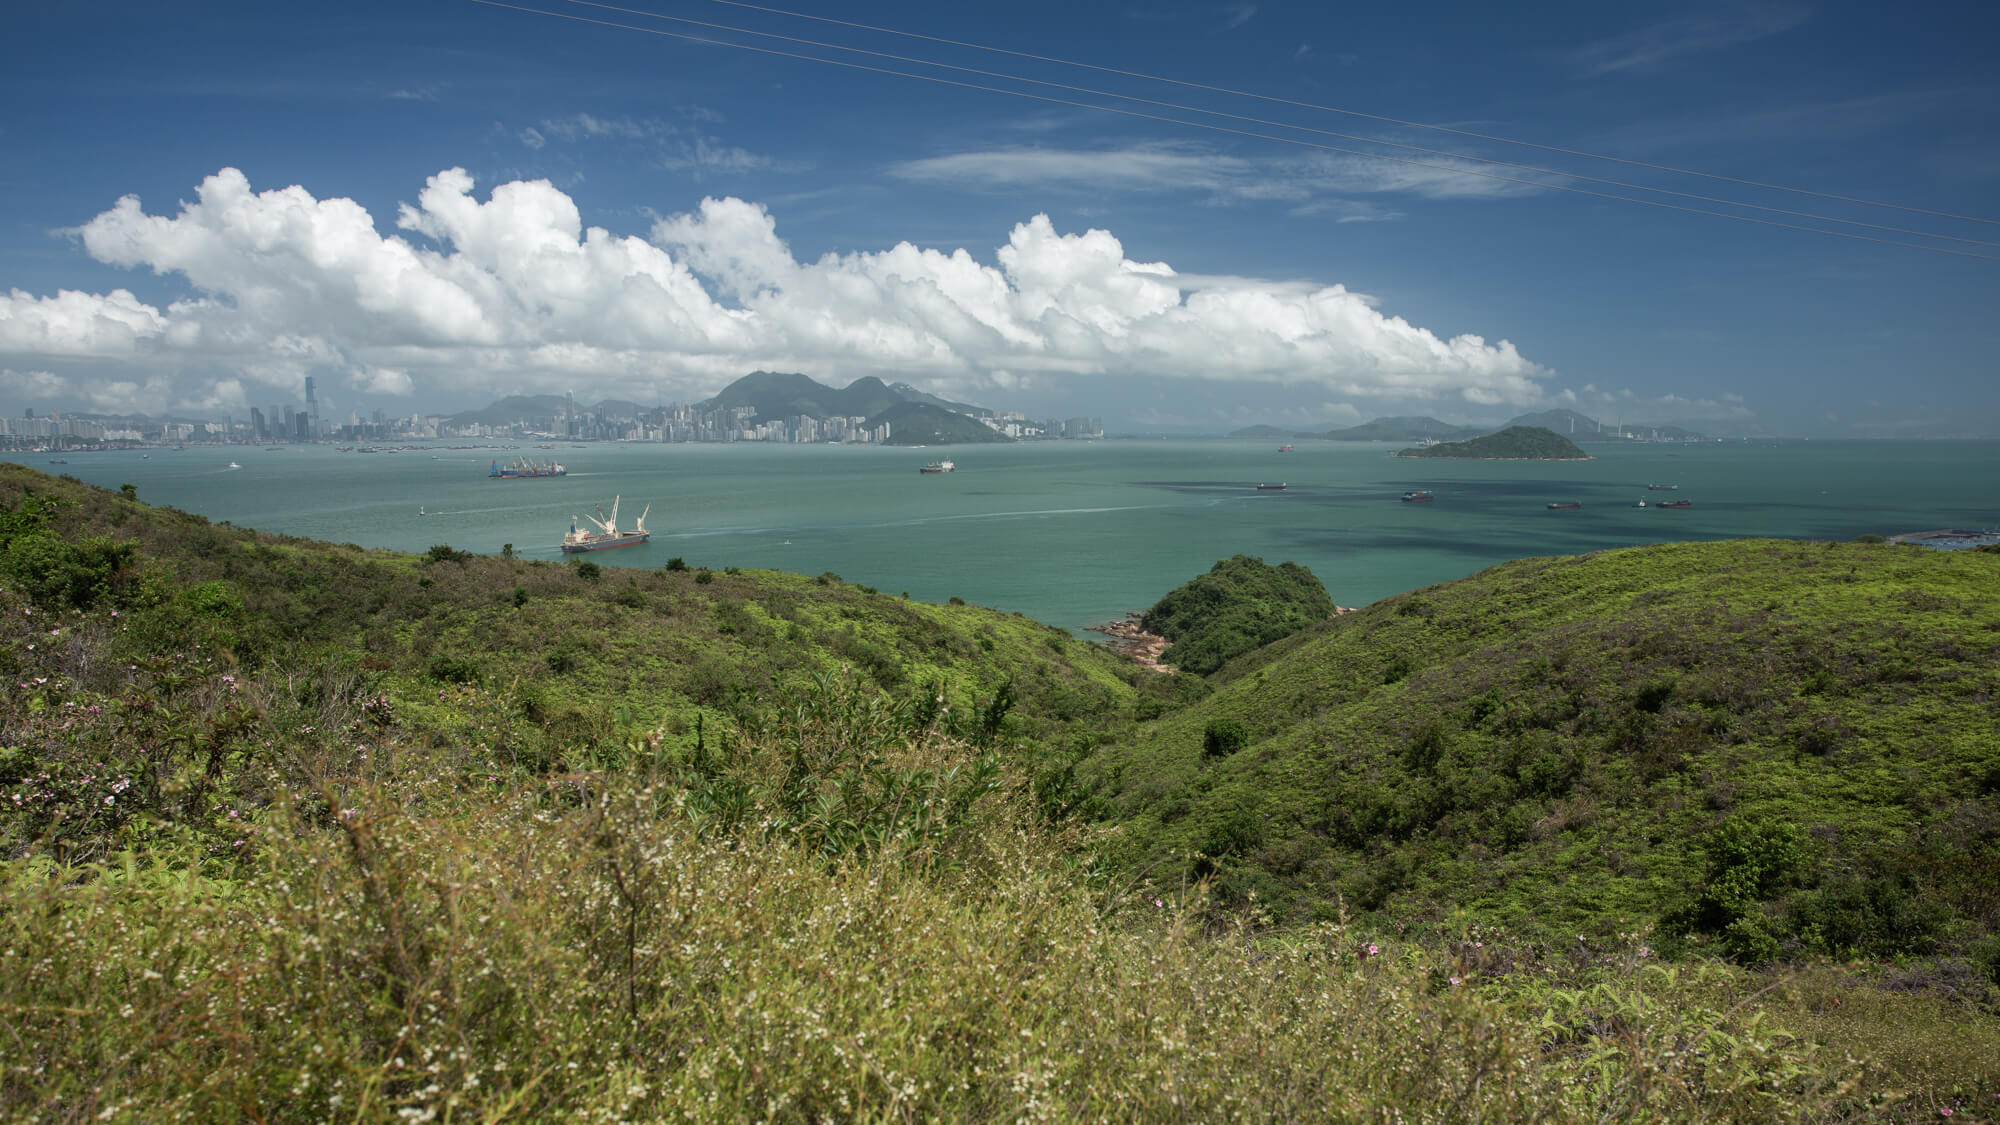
(1130, 638)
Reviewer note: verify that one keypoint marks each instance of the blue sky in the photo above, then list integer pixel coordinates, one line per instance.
(428, 205)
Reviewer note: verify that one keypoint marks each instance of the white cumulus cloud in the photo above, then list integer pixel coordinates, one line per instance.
(514, 293)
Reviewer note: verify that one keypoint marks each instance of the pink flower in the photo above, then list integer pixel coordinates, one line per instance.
(1455, 981)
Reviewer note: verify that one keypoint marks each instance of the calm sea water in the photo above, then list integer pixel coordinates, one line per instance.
(1072, 533)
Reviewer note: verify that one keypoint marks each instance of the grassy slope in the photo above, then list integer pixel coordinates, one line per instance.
(531, 664)
(655, 641)
(1551, 744)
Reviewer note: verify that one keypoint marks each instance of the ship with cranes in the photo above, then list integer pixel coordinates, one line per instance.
(524, 467)
(607, 534)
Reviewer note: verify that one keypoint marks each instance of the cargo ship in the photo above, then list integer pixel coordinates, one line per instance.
(1661, 487)
(1270, 488)
(938, 467)
(526, 467)
(1420, 496)
(607, 535)
(1675, 504)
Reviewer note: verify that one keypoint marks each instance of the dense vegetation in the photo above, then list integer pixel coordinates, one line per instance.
(296, 832)
(1767, 749)
(1515, 443)
(1242, 603)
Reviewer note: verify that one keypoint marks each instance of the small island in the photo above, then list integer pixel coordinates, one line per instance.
(1515, 443)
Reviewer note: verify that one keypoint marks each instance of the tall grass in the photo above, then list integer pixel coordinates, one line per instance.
(589, 947)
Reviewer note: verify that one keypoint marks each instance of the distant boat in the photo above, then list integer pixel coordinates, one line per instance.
(1675, 504)
(1284, 449)
(1662, 487)
(1641, 503)
(938, 467)
(1420, 496)
(420, 510)
(58, 461)
(1271, 487)
(1564, 506)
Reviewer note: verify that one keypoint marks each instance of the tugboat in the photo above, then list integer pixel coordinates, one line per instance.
(1641, 503)
(608, 535)
(1420, 496)
(1564, 506)
(938, 467)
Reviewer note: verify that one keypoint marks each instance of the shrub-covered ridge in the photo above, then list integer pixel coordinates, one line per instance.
(1242, 603)
(1781, 748)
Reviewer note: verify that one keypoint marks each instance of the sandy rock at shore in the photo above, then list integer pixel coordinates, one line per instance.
(1129, 636)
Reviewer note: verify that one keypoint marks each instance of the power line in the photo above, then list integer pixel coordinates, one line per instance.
(1284, 125)
(660, 32)
(1352, 112)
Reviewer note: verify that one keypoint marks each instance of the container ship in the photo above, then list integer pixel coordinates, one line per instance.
(607, 536)
(1420, 496)
(526, 467)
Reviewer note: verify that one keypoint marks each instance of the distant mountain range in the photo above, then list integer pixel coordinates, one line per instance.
(775, 394)
(915, 418)
(1576, 427)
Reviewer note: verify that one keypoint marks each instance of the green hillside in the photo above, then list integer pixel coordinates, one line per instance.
(1516, 443)
(920, 423)
(1773, 749)
(297, 832)
(532, 665)
(1242, 603)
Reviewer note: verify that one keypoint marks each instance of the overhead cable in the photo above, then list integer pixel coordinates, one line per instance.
(1351, 112)
(685, 37)
(1178, 107)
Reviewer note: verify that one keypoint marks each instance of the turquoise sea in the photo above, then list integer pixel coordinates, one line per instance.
(1070, 533)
